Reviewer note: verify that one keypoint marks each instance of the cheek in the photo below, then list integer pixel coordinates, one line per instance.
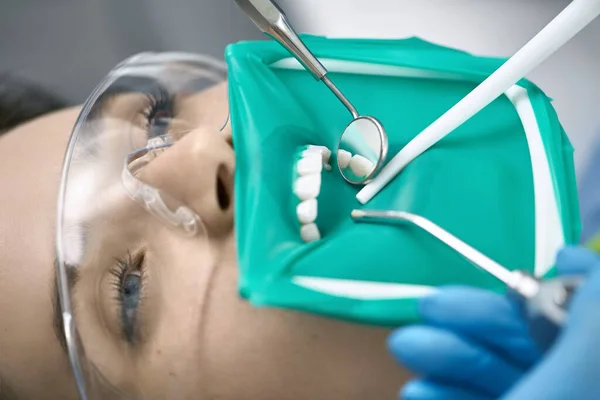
(260, 353)
(179, 271)
(178, 285)
(210, 343)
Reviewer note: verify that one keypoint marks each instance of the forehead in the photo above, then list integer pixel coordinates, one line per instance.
(34, 153)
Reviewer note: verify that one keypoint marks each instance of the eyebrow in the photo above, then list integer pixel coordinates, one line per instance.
(57, 317)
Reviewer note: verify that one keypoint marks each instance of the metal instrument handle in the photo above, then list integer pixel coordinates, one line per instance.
(271, 19)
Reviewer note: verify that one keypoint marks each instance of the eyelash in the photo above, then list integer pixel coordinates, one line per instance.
(160, 106)
(122, 269)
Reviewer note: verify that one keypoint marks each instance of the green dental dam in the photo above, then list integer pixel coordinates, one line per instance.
(503, 182)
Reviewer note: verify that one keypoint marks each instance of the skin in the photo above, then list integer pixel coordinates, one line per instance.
(197, 338)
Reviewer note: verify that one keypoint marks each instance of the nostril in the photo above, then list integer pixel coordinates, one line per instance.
(223, 196)
(229, 140)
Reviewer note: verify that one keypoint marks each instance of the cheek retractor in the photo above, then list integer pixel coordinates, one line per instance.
(307, 187)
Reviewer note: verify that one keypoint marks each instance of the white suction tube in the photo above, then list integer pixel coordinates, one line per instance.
(558, 32)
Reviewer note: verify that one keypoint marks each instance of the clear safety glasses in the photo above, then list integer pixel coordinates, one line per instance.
(141, 109)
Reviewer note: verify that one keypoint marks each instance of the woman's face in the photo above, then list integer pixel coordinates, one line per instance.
(159, 313)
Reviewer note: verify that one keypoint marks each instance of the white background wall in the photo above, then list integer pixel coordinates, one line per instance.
(69, 45)
(484, 27)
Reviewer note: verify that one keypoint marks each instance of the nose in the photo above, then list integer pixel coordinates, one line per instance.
(198, 171)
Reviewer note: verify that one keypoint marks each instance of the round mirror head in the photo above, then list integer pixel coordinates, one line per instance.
(362, 150)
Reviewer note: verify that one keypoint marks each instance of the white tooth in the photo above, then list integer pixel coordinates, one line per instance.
(311, 150)
(310, 164)
(308, 187)
(344, 158)
(361, 166)
(325, 152)
(310, 233)
(307, 211)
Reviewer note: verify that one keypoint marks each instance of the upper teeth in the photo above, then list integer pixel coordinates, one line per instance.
(311, 163)
(310, 233)
(360, 165)
(323, 151)
(307, 188)
(344, 158)
(307, 211)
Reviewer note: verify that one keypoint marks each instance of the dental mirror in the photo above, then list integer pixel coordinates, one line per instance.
(271, 19)
(361, 150)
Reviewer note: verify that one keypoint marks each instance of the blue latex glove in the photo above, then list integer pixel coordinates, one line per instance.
(474, 345)
(589, 197)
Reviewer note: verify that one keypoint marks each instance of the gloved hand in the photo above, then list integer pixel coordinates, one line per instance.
(474, 345)
(589, 199)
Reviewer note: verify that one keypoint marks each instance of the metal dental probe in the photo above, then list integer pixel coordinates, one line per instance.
(543, 302)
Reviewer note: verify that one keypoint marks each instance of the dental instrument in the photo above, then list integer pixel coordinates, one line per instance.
(481, 346)
(544, 303)
(559, 31)
(364, 135)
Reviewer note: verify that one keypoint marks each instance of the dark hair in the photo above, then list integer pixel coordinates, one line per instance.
(22, 100)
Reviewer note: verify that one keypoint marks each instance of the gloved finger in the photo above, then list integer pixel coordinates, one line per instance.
(431, 390)
(484, 317)
(584, 315)
(445, 356)
(575, 260)
(572, 367)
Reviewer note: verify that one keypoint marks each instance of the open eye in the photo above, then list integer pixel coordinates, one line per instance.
(130, 294)
(128, 284)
